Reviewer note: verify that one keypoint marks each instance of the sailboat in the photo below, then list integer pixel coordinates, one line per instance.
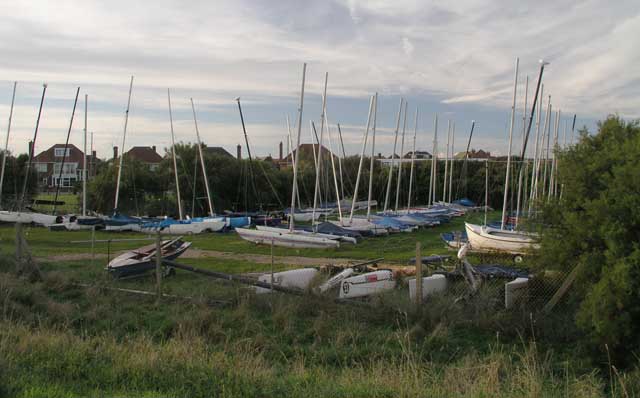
(291, 237)
(487, 238)
(29, 216)
(189, 225)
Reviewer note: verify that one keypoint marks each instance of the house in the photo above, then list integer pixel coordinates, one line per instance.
(49, 162)
(419, 155)
(220, 151)
(395, 159)
(474, 155)
(144, 154)
(307, 152)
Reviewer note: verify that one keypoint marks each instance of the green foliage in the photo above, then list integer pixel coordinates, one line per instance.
(596, 226)
(14, 179)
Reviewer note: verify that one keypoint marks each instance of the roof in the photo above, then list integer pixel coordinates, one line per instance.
(473, 154)
(307, 151)
(48, 156)
(145, 154)
(217, 150)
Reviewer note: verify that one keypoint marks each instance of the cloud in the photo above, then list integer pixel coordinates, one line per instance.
(456, 57)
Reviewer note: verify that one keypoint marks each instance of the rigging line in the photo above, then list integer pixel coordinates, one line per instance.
(273, 189)
(32, 149)
(64, 155)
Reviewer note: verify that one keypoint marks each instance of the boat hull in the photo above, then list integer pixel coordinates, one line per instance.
(286, 239)
(485, 238)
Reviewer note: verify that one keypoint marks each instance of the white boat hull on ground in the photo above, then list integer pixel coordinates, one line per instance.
(196, 227)
(309, 233)
(361, 225)
(485, 238)
(284, 238)
(367, 284)
(296, 278)
(27, 217)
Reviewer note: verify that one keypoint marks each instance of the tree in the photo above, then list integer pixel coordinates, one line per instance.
(596, 226)
(14, 178)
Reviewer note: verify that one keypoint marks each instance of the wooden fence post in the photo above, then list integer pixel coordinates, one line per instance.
(418, 277)
(272, 265)
(93, 243)
(158, 265)
(18, 248)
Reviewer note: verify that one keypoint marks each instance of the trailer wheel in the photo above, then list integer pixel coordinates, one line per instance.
(518, 259)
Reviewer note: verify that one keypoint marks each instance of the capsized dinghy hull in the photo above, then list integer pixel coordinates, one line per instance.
(139, 261)
(284, 238)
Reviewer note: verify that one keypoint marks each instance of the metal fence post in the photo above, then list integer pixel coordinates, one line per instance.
(18, 247)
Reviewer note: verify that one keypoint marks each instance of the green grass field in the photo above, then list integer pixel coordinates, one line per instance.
(61, 339)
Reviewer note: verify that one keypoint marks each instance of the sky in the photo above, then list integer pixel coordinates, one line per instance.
(455, 60)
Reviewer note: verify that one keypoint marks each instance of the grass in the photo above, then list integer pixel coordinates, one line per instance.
(58, 339)
(397, 248)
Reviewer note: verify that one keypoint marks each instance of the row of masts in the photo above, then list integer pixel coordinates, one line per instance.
(540, 168)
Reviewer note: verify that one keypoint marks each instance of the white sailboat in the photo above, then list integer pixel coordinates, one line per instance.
(485, 238)
(21, 215)
(291, 238)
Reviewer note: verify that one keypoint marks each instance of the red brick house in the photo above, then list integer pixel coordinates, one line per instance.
(48, 163)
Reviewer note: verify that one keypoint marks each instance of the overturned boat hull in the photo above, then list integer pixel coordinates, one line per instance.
(284, 238)
(486, 238)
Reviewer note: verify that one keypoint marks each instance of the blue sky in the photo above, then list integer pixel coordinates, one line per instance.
(456, 60)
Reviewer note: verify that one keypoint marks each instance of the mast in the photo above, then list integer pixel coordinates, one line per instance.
(124, 137)
(546, 158)
(364, 146)
(446, 163)
(486, 189)
(6, 141)
(173, 153)
(32, 149)
(404, 128)
(534, 171)
(204, 169)
(316, 190)
(554, 165)
(573, 127)
(434, 159)
(344, 155)
(295, 158)
(246, 141)
(513, 115)
(522, 159)
(333, 166)
(453, 136)
(64, 154)
(372, 160)
(463, 170)
(393, 158)
(413, 157)
(84, 159)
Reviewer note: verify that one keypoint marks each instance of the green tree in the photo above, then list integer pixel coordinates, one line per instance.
(596, 226)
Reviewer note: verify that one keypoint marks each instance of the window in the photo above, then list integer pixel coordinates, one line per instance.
(41, 167)
(69, 168)
(59, 152)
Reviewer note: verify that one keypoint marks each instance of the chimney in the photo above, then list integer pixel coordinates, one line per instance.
(379, 155)
(93, 154)
(239, 151)
(154, 148)
(280, 148)
(115, 152)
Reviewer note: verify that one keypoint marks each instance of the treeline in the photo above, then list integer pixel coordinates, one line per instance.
(240, 185)
(14, 175)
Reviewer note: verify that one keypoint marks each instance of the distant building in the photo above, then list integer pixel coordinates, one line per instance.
(146, 155)
(307, 152)
(49, 162)
(217, 150)
(421, 156)
(474, 155)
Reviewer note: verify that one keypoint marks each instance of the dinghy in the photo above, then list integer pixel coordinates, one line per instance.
(28, 217)
(367, 284)
(296, 278)
(139, 261)
(285, 238)
(335, 280)
(190, 226)
(500, 240)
